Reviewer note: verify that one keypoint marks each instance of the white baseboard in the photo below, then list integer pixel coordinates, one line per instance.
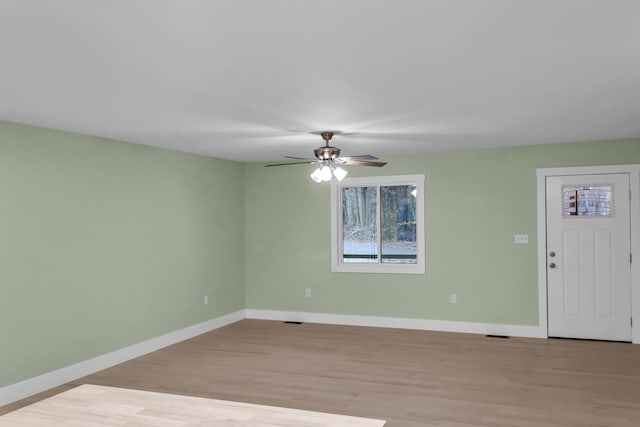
(401, 323)
(15, 392)
(52, 379)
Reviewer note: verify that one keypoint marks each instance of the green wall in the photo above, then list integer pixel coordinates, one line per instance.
(475, 201)
(105, 244)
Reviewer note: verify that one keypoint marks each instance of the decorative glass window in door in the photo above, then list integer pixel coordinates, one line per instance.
(587, 200)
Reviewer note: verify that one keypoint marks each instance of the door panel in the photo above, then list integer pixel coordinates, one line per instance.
(603, 273)
(588, 261)
(571, 261)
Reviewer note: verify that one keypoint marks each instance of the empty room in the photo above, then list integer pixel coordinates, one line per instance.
(320, 213)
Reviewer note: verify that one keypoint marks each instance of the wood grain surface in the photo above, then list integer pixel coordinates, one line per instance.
(99, 406)
(409, 378)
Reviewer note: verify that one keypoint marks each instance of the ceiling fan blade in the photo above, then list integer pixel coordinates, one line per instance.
(308, 162)
(360, 157)
(300, 158)
(364, 163)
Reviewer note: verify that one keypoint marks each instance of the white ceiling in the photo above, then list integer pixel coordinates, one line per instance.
(248, 80)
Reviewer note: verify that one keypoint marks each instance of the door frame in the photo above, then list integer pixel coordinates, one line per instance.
(634, 185)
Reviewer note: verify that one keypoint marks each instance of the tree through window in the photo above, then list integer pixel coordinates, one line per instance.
(377, 222)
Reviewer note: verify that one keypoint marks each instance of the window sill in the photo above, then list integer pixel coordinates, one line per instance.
(378, 268)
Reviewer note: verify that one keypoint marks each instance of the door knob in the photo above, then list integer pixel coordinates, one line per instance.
(552, 265)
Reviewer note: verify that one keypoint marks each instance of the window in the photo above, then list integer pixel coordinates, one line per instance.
(377, 225)
(587, 200)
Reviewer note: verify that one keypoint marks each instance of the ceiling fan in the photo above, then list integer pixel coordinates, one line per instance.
(329, 159)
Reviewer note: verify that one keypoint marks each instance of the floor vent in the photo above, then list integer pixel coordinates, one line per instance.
(504, 337)
(292, 322)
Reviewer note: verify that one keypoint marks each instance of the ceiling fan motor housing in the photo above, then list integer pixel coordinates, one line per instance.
(327, 153)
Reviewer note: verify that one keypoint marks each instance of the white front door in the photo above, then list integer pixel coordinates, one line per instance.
(588, 256)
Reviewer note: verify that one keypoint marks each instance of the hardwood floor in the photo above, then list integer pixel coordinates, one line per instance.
(91, 405)
(409, 378)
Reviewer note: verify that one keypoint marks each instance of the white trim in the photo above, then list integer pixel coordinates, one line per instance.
(21, 390)
(15, 392)
(634, 182)
(400, 323)
(337, 266)
(542, 254)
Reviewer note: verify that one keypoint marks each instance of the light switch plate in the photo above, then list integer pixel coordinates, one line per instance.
(521, 239)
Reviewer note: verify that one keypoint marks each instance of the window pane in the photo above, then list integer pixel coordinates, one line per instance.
(587, 200)
(398, 224)
(359, 225)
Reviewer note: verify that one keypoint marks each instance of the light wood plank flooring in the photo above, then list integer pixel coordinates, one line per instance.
(409, 378)
(91, 405)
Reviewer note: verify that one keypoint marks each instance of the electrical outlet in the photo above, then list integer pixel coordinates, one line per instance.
(453, 299)
(206, 299)
(307, 293)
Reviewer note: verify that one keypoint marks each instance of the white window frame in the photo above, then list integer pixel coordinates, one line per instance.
(336, 226)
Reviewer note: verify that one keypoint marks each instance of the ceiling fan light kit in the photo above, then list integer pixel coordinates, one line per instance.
(327, 171)
(328, 158)
(339, 173)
